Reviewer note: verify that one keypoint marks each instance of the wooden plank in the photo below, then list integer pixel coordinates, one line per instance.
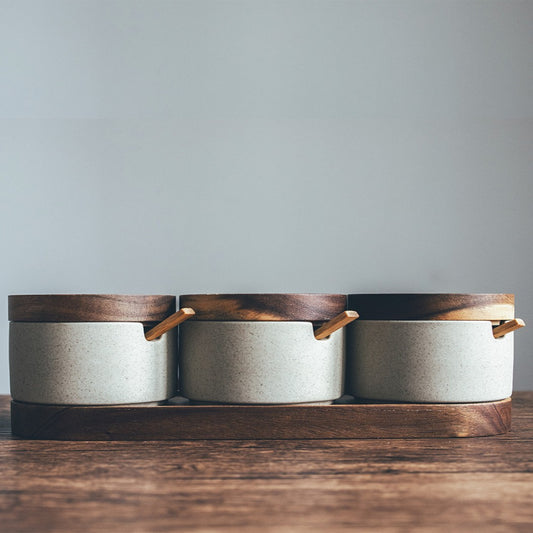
(220, 422)
(91, 500)
(276, 485)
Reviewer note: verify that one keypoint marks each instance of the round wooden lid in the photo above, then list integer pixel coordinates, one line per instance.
(268, 307)
(492, 307)
(90, 308)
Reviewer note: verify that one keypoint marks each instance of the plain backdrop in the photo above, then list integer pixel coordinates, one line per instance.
(167, 147)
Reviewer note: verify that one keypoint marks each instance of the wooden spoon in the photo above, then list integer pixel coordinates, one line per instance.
(170, 322)
(507, 327)
(335, 323)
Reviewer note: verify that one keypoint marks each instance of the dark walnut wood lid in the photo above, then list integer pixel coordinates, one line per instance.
(315, 308)
(492, 307)
(90, 308)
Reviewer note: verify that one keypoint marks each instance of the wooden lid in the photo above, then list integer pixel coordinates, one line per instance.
(267, 307)
(492, 307)
(90, 308)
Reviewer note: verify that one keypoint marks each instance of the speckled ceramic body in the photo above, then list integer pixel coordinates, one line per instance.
(259, 362)
(428, 361)
(90, 363)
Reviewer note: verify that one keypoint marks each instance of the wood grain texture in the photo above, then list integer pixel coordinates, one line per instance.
(336, 323)
(463, 485)
(493, 307)
(315, 308)
(508, 327)
(90, 308)
(169, 323)
(186, 422)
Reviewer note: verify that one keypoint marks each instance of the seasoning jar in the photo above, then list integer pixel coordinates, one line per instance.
(263, 348)
(431, 347)
(91, 349)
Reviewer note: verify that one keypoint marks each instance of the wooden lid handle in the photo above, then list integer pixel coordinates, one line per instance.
(335, 323)
(171, 322)
(507, 327)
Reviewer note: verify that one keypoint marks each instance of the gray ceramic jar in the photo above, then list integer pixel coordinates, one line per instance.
(90, 349)
(450, 357)
(261, 349)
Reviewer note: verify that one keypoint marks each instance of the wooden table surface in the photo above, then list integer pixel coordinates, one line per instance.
(474, 484)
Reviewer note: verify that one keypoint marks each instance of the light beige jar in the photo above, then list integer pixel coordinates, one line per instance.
(439, 360)
(260, 349)
(90, 361)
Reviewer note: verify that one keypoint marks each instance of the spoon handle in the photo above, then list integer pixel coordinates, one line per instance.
(170, 322)
(507, 327)
(335, 323)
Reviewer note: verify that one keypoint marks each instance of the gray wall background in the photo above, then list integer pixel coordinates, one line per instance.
(318, 146)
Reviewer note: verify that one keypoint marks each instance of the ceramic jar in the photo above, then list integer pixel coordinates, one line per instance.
(90, 349)
(430, 348)
(261, 349)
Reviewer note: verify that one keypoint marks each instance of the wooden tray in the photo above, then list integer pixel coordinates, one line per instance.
(247, 422)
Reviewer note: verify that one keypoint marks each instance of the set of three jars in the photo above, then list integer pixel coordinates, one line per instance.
(260, 348)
